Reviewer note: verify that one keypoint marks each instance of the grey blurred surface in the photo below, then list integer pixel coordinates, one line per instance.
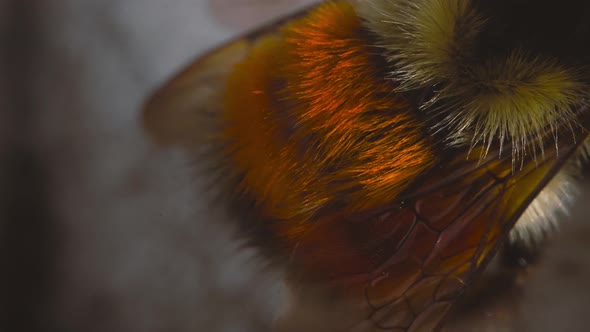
(133, 248)
(557, 298)
(138, 252)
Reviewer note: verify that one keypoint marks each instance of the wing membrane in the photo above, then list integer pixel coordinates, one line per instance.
(181, 111)
(400, 268)
(406, 265)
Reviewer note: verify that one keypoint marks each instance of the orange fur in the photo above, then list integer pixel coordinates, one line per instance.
(312, 125)
(314, 134)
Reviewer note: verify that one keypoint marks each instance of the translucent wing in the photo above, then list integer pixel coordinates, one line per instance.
(177, 113)
(399, 268)
(404, 266)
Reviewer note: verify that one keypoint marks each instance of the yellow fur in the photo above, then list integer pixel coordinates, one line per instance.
(512, 98)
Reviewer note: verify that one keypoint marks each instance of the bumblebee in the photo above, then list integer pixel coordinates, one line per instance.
(384, 150)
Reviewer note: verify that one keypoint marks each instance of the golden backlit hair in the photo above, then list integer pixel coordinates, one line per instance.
(508, 98)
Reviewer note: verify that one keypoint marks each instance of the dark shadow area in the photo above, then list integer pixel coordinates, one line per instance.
(27, 233)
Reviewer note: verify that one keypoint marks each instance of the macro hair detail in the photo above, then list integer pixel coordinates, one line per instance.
(340, 140)
(508, 96)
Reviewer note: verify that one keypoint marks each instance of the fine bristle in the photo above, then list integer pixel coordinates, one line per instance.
(542, 215)
(514, 97)
(552, 204)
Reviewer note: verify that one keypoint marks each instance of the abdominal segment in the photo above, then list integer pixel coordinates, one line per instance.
(311, 124)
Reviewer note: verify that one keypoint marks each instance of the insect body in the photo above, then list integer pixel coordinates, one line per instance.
(384, 149)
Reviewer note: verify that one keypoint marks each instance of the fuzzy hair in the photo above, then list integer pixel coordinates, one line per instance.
(514, 98)
(542, 215)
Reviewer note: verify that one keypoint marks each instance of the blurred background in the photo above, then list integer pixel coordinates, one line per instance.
(101, 231)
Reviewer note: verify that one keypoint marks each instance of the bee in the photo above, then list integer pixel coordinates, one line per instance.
(385, 150)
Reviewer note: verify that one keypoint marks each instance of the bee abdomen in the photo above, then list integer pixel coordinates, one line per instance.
(312, 123)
